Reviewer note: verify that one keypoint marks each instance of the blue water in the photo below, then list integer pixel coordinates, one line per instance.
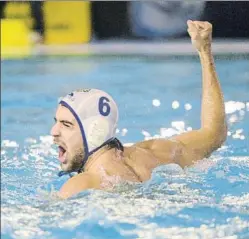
(208, 200)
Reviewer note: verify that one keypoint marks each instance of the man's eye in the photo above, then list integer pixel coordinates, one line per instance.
(67, 125)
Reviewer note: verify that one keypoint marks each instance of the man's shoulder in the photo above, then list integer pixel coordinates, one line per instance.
(165, 150)
(152, 143)
(133, 148)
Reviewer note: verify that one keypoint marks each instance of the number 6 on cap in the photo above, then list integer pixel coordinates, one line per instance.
(104, 107)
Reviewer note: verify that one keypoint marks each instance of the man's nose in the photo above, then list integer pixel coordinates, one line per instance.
(55, 130)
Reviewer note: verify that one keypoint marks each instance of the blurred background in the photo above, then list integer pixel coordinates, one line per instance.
(27, 24)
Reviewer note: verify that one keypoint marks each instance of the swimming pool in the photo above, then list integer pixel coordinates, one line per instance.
(157, 97)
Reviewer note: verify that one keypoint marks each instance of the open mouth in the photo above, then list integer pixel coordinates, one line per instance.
(62, 154)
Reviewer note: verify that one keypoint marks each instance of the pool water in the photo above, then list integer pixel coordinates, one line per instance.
(157, 97)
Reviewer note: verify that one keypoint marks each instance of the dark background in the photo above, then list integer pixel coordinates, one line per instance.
(110, 19)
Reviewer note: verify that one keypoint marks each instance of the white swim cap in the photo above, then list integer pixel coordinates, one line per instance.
(97, 115)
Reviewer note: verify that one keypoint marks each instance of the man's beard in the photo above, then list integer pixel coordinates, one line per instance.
(75, 163)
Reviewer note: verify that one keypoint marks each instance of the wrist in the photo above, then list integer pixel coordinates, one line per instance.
(206, 49)
(206, 55)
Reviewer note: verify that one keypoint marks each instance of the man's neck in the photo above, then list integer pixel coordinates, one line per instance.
(98, 156)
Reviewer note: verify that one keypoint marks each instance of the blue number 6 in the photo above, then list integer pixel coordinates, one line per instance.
(104, 107)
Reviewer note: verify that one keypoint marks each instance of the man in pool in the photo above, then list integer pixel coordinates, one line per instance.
(85, 125)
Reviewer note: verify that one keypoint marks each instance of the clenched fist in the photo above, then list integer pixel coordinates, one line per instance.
(200, 33)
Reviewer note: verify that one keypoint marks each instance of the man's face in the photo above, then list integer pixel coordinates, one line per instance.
(67, 136)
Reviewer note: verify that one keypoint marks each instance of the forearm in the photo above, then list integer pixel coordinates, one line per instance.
(213, 110)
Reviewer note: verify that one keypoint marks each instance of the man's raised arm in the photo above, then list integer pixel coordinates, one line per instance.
(201, 143)
(189, 147)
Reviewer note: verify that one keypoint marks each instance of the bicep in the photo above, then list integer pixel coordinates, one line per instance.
(183, 149)
(196, 145)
